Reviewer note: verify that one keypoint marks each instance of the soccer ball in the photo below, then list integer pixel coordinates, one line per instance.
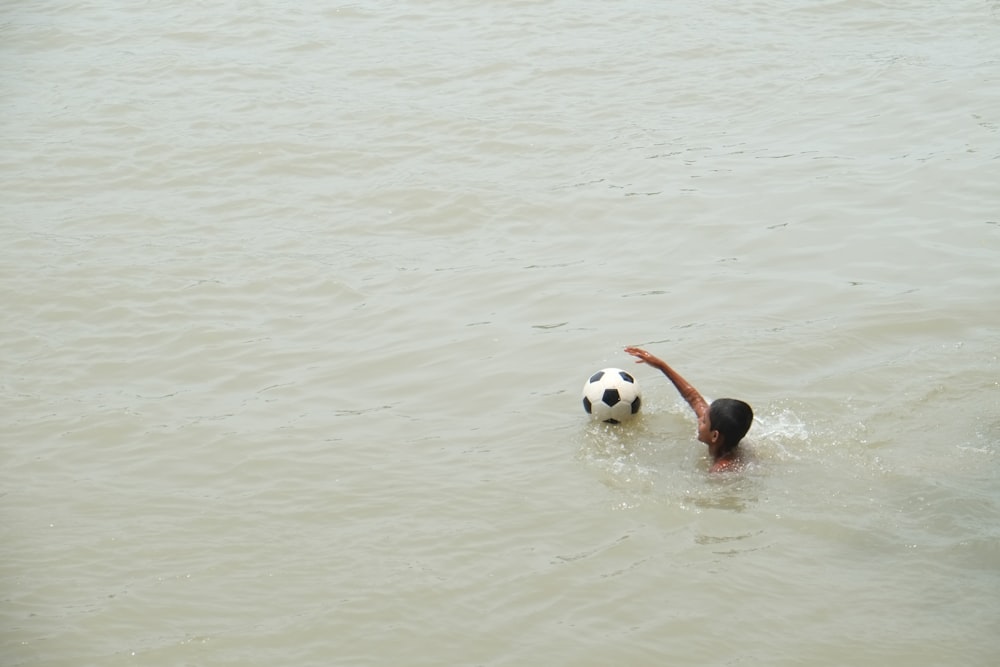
(612, 395)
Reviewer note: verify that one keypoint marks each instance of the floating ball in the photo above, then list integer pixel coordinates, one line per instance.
(612, 395)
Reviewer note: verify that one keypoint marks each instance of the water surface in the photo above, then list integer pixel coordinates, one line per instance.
(299, 301)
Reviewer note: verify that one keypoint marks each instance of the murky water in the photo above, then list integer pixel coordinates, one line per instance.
(298, 302)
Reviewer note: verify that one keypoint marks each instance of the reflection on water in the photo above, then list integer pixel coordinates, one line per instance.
(732, 545)
(734, 491)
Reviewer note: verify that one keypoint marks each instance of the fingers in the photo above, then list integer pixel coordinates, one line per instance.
(640, 354)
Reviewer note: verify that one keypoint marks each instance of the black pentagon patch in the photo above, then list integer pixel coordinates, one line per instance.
(635, 404)
(625, 376)
(611, 421)
(586, 404)
(611, 397)
(597, 376)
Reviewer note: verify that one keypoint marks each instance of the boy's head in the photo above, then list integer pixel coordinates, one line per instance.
(729, 417)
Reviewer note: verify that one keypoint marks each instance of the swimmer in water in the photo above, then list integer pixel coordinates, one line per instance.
(721, 425)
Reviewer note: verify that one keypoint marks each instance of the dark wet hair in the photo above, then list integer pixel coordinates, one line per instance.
(732, 419)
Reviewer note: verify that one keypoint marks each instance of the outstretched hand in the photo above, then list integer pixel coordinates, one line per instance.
(686, 390)
(641, 356)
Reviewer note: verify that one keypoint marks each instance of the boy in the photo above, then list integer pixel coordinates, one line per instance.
(721, 425)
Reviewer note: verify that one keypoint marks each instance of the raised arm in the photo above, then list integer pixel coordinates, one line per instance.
(686, 390)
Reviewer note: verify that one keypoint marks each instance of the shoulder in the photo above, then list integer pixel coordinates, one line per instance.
(726, 464)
